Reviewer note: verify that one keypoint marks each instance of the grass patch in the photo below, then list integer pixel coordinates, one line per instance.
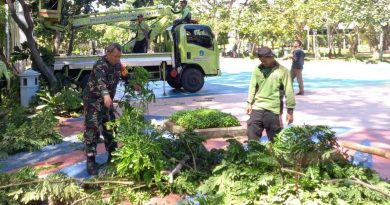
(204, 118)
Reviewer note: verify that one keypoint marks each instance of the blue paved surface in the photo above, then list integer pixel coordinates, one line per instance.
(29, 158)
(363, 158)
(232, 83)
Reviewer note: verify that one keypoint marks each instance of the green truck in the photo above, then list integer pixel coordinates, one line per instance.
(197, 56)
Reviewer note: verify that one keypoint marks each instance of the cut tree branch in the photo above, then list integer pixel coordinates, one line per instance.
(177, 169)
(362, 183)
(67, 180)
(292, 171)
(193, 156)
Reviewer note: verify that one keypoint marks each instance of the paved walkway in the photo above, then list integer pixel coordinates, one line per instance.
(352, 98)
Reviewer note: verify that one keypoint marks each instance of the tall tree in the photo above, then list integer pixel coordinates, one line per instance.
(372, 17)
(3, 38)
(27, 29)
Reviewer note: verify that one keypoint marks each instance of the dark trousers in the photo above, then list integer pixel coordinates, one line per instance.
(260, 120)
(140, 46)
(297, 72)
(96, 116)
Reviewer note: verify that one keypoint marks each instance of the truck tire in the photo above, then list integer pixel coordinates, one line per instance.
(84, 80)
(174, 84)
(192, 80)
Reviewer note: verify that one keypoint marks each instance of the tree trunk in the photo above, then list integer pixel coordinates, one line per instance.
(353, 42)
(330, 40)
(28, 32)
(71, 42)
(42, 67)
(381, 42)
(338, 42)
(253, 48)
(57, 42)
(386, 40)
(373, 41)
(316, 50)
(308, 39)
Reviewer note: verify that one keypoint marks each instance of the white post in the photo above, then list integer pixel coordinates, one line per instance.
(29, 85)
(164, 77)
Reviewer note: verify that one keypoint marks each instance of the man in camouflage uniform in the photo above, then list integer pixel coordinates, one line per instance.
(98, 106)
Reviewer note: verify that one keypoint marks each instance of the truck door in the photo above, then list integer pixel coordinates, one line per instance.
(198, 47)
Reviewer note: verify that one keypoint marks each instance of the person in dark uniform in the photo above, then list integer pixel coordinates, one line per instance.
(98, 105)
(298, 59)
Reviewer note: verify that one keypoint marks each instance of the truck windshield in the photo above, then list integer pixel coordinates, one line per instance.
(200, 35)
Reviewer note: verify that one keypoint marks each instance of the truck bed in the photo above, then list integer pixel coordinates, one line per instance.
(139, 59)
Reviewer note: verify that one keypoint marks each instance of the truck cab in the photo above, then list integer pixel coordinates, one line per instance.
(198, 56)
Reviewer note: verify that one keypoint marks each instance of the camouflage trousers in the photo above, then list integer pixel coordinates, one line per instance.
(96, 117)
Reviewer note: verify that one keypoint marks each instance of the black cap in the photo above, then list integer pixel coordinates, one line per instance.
(265, 52)
(140, 15)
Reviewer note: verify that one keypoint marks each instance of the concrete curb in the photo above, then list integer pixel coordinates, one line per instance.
(209, 132)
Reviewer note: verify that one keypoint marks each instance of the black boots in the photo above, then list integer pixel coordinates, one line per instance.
(110, 147)
(92, 166)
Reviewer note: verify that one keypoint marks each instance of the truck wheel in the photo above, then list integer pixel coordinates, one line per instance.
(174, 84)
(192, 80)
(84, 80)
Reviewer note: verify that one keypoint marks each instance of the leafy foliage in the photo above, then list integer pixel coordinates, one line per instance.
(11, 195)
(57, 188)
(261, 173)
(64, 102)
(22, 133)
(304, 144)
(139, 157)
(252, 174)
(24, 53)
(204, 118)
(255, 173)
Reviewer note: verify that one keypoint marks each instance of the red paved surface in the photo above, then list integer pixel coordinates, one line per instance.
(62, 161)
(69, 126)
(378, 138)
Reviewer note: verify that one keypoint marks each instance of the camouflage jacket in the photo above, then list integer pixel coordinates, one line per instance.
(102, 80)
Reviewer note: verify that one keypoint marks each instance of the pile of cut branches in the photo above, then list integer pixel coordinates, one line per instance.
(304, 165)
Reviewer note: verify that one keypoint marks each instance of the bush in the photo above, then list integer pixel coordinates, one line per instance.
(204, 118)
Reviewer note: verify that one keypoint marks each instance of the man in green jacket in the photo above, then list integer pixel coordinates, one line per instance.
(185, 19)
(268, 81)
(142, 38)
(185, 13)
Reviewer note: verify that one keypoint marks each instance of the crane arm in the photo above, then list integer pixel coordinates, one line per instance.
(117, 16)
